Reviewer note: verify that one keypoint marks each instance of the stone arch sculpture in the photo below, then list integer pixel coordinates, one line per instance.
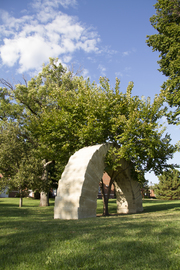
(78, 187)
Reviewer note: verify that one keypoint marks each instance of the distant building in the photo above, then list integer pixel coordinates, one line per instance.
(106, 181)
(7, 194)
(152, 195)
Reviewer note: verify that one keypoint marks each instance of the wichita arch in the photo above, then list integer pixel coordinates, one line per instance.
(78, 187)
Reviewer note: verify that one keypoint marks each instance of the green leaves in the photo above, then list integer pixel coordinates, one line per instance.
(18, 164)
(93, 114)
(60, 113)
(167, 42)
(169, 185)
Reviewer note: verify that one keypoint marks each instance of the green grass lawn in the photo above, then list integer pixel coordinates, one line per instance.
(31, 239)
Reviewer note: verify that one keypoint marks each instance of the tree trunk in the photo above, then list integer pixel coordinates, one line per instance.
(105, 199)
(20, 197)
(44, 199)
(20, 201)
(44, 196)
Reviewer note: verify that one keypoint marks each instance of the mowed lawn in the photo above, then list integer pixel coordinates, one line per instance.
(31, 239)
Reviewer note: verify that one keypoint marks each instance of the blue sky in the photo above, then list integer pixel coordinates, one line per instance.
(100, 37)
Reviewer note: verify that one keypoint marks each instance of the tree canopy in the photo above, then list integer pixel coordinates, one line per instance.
(169, 185)
(167, 42)
(97, 114)
(61, 113)
(20, 114)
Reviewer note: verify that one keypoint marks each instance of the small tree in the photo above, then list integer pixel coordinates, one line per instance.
(169, 185)
(24, 106)
(20, 169)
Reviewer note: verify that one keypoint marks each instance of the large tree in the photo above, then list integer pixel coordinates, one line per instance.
(167, 42)
(64, 113)
(98, 114)
(169, 185)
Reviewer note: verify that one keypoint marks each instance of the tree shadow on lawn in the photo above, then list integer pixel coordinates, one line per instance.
(123, 244)
(116, 243)
(161, 206)
(14, 211)
(14, 202)
(148, 206)
(118, 255)
(27, 202)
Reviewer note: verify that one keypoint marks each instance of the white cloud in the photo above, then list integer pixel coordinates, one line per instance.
(67, 58)
(9, 52)
(125, 72)
(127, 69)
(126, 53)
(37, 4)
(102, 70)
(119, 74)
(109, 51)
(38, 52)
(85, 73)
(29, 41)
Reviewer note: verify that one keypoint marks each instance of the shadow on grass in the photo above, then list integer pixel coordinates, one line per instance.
(27, 202)
(31, 239)
(159, 205)
(148, 205)
(14, 202)
(105, 243)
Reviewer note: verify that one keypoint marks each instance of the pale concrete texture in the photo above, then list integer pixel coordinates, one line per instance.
(128, 195)
(78, 186)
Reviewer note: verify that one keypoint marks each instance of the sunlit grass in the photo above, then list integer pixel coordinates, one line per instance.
(31, 239)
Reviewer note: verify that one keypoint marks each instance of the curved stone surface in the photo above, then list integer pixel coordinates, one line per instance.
(128, 195)
(78, 188)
